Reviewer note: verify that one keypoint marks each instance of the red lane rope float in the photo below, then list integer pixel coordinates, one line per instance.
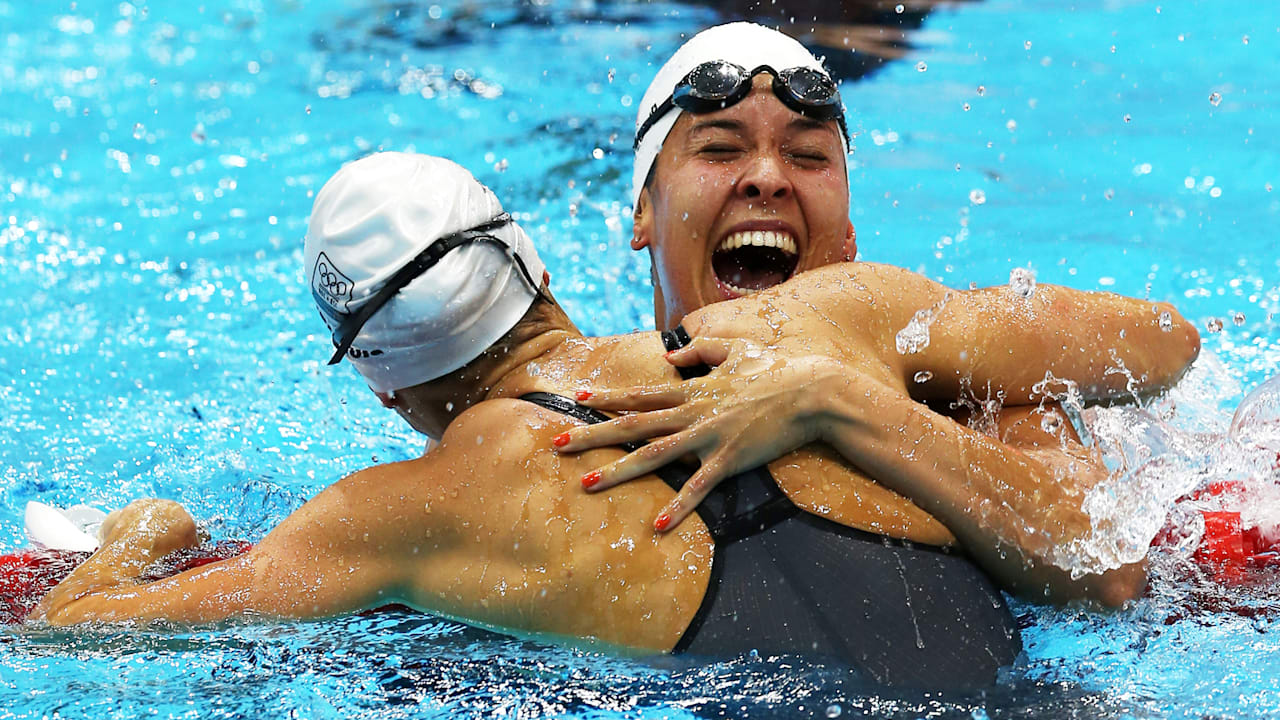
(1227, 548)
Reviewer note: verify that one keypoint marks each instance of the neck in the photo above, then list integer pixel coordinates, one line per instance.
(431, 407)
(509, 374)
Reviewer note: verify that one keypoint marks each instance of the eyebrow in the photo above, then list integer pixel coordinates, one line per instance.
(798, 123)
(717, 124)
(802, 122)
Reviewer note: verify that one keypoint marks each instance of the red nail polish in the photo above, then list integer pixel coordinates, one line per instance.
(590, 479)
(662, 523)
(583, 395)
(560, 440)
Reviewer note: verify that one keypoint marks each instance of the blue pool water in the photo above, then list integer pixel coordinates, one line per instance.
(156, 171)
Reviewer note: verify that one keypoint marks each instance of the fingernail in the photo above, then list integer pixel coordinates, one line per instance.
(590, 479)
(583, 395)
(662, 523)
(560, 440)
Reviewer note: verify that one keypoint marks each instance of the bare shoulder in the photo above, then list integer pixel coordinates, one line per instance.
(871, 284)
(505, 421)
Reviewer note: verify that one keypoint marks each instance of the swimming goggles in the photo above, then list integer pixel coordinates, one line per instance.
(718, 84)
(349, 325)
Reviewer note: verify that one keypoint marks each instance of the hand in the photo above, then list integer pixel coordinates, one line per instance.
(151, 526)
(753, 408)
(132, 538)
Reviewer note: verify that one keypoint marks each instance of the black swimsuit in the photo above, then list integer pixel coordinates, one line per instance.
(786, 581)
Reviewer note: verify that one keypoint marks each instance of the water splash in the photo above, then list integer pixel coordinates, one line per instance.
(915, 336)
(1023, 282)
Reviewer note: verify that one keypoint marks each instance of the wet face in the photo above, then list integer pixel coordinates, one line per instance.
(743, 199)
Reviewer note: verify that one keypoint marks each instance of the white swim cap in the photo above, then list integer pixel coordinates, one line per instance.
(741, 43)
(373, 218)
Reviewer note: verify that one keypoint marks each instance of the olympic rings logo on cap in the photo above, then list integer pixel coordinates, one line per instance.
(330, 284)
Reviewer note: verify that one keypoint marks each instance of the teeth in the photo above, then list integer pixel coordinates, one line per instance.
(760, 238)
(740, 291)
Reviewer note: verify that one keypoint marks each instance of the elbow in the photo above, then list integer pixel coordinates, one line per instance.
(1183, 346)
(1116, 588)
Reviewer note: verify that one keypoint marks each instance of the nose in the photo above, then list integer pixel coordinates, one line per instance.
(765, 178)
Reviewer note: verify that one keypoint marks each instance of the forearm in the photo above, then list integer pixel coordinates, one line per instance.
(1017, 514)
(1110, 347)
(295, 572)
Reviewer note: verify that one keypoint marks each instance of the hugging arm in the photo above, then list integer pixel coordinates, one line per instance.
(306, 567)
(488, 534)
(1018, 512)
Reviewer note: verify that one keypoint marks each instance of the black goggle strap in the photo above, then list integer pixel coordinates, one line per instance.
(350, 325)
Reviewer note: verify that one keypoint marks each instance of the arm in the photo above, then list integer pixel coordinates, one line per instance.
(535, 556)
(1017, 512)
(1109, 345)
(304, 568)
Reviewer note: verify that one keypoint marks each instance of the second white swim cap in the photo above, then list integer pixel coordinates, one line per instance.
(374, 217)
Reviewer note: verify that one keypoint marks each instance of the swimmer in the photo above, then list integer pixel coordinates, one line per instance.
(437, 299)
(740, 183)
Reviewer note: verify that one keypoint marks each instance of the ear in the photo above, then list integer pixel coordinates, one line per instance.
(850, 243)
(546, 277)
(642, 221)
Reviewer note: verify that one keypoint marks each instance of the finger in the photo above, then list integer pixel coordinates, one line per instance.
(695, 490)
(642, 461)
(702, 351)
(641, 426)
(640, 397)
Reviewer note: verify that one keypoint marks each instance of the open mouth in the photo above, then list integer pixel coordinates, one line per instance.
(750, 261)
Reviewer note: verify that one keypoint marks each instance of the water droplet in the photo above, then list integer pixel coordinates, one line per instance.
(1213, 325)
(1128, 117)
(598, 153)
(448, 407)
(1109, 194)
(966, 107)
(501, 165)
(1238, 319)
(138, 131)
(923, 376)
(1027, 45)
(1023, 282)
(921, 66)
(1166, 321)
(1113, 48)
(1051, 423)
(834, 710)
(1245, 39)
(308, 109)
(899, 9)
(1011, 125)
(982, 89)
(573, 209)
(1215, 98)
(977, 197)
(1267, 187)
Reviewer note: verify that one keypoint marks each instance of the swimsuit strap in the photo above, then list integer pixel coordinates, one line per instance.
(726, 526)
(677, 338)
